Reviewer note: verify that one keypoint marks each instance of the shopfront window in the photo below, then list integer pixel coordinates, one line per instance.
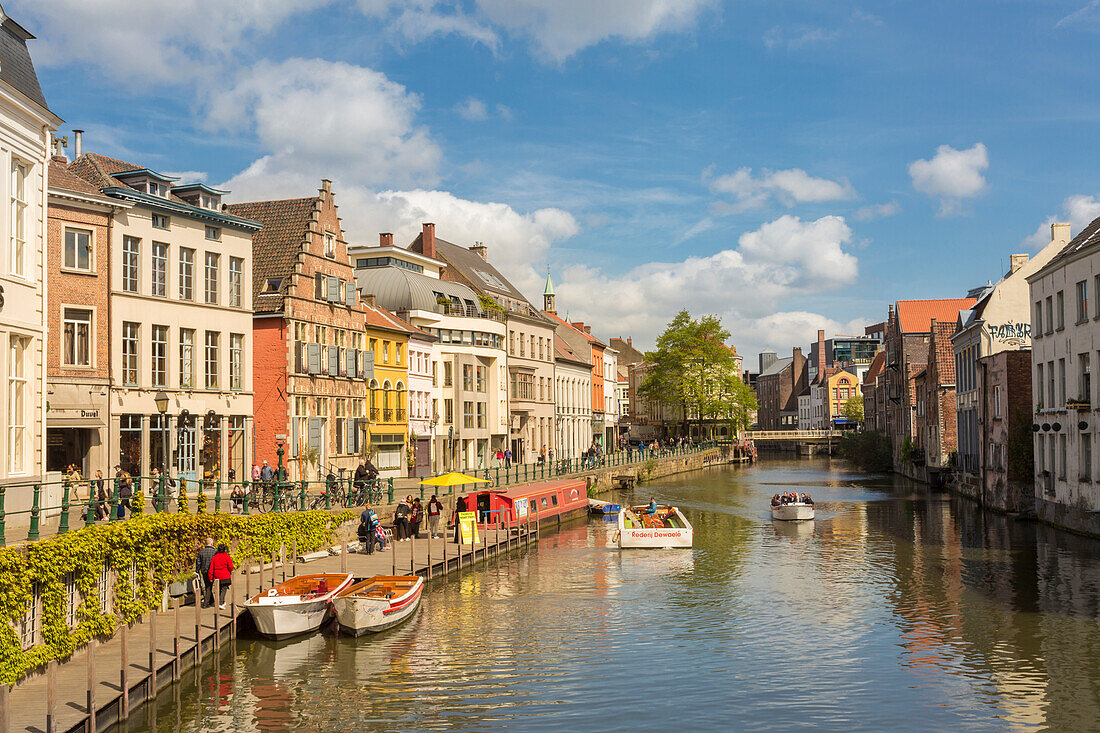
(129, 444)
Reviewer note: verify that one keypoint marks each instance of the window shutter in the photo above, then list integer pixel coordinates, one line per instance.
(360, 426)
(334, 289)
(349, 426)
(293, 437)
(299, 357)
(368, 365)
(316, 425)
(333, 361)
(314, 353)
(349, 362)
(349, 293)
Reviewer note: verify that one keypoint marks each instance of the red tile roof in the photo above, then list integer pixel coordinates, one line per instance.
(916, 316)
(942, 351)
(61, 177)
(276, 246)
(876, 367)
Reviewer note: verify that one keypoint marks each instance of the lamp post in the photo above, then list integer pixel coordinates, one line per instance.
(161, 401)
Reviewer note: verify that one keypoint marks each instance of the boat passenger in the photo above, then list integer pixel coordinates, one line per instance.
(775, 500)
(652, 508)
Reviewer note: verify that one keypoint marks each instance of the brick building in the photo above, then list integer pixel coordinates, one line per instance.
(1007, 478)
(314, 366)
(778, 386)
(78, 365)
(874, 395)
(936, 430)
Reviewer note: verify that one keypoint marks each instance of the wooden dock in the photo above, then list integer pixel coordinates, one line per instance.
(105, 682)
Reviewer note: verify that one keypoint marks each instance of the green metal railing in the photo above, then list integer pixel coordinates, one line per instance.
(161, 494)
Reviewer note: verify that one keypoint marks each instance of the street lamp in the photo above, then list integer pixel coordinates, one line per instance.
(161, 401)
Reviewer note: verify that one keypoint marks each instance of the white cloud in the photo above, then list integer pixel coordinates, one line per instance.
(951, 175)
(417, 20)
(187, 176)
(319, 118)
(163, 41)
(877, 211)
(783, 259)
(790, 186)
(472, 108)
(783, 330)
(795, 38)
(1079, 210)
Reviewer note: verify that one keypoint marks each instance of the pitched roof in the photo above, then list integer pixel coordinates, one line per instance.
(1088, 235)
(777, 367)
(16, 67)
(477, 270)
(276, 246)
(916, 316)
(60, 177)
(564, 351)
(381, 318)
(877, 363)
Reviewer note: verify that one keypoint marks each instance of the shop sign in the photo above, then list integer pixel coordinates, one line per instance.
(73, 412)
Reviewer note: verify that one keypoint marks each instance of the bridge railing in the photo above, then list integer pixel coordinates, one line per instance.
(791, 434)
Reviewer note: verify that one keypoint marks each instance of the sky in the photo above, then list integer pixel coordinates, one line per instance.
(786, 165)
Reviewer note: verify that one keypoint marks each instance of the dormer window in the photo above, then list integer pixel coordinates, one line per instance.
(200, 195)
(273, 285)
(154, 188)
(214, 234)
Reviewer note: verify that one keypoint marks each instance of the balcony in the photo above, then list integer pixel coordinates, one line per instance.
(1078, 405)
(387, 415)
(400, 416)
(375, 413)
(450, 309)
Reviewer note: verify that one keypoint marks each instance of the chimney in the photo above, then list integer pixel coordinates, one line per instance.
(820, 353)
(368, 300)
(427, 238)
(78, 143)
(588, 330)
(1017, 261)
(798, 365)
(579, 325)
(629, 341)
(1059, 231)
(482, 250)
(385, 239)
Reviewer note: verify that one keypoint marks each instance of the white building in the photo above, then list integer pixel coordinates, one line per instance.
(24, 156)
(573, 400)
(180, 323)
(468, 359)
(1065, 343)
(805, 410)
(611, 399)
(422, 395)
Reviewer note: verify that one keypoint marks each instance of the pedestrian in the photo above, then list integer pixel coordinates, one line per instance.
(125, 491)
(401, 522)
(499, 456)
(435, 511)
(368, 527)
(221, 569)
(507, 457)
(460, 507)
(255, 473)
(101, 506)
(267, 473)
(415, 515)
(542, 454)
(202, 567)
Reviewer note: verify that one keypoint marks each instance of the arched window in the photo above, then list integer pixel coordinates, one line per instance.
(399, 391)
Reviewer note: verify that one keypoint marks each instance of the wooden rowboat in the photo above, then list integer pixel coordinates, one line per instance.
(377, 603)
(296, 606)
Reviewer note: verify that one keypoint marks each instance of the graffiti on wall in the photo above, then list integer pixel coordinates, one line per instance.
(1010, 334)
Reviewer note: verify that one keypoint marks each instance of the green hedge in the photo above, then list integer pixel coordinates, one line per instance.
(159, 547)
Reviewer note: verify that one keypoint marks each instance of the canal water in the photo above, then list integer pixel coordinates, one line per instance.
(898, 608)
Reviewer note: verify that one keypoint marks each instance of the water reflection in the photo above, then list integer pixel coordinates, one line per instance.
(897, 608)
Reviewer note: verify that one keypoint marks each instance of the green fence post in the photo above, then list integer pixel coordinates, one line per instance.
(114, 502)
(247, 495)
(35, 511)
(91, 509)
(275, 505)
(3, 517)
(303, 502)
(217, 497)
(389, 481)
(63, 527)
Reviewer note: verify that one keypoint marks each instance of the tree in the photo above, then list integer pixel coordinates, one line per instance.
(693, 374)
(853, 408)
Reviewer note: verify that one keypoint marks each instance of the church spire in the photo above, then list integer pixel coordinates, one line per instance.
(548, 295)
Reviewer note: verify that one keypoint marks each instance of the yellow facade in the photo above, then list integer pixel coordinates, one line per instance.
(842, 387)
(387, 412)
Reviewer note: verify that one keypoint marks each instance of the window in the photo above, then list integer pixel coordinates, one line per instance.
(159, 342)
(1062, 456)
(1038, 385)
(214, 234)
(1061, 382)
(160, 269)
(996, 400)
(212, 277)
(1096, 303)
(448, 374)
(468, 377)
(187, 358)
(131, 248)
(236, 277)
(78, 250)
(330, 245)
(71, 599)
(1050, 384)
(1037, 325)
(482, 420)
(1082, 301)
(154, 188)
(236, 361)
(481, 373)
(385, 352)
(187, 273)
(160, 221)
(1060, 309)
(273, 285)
(448, 412)
(511, 343)
(397, 353)
(19, 173)
(17, 404)
(1085, 456)
(1084, 378)
(77, 338)
(1050, 315)
(130, 332)
(212, 338)
(467, 414)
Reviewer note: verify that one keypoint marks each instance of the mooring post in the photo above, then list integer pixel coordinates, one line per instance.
(429, 555)
(198, 627)
(51, 699)
(217, 611)
(344, 558)
(412, 556)
(152, 655)
(176, 641)
(91, 685)
(282, 559)
(123, 675)
(294, 558)
(444, 550)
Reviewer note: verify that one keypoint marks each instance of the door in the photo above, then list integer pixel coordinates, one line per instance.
(186, 460)
(423, 457)
(483, 506)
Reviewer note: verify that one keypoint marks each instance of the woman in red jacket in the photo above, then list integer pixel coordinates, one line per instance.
(221, 568)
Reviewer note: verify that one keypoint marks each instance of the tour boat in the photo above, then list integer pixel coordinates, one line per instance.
(667, 528)
(795, 511)
(377, 603)
(296, 606)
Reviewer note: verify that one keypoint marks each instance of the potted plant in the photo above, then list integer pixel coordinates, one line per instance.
(182, 584)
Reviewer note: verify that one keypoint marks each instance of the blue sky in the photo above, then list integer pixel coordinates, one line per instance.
(787, 165)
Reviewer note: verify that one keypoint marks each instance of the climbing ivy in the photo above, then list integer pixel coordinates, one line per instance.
(156, 546)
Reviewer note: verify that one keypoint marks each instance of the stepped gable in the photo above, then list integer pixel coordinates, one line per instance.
(276, 246)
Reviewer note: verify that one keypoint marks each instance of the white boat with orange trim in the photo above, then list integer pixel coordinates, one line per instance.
(377, 603)
(665, 527)
(296, 606)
